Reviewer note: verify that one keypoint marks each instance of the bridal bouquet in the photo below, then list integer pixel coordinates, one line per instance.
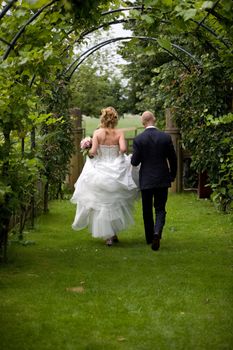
(85, 145)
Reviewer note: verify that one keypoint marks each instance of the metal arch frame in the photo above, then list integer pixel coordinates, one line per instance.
(5, 42)
(6, 8)
(107, 24)
(103, 25)
(211, 31)
(208, 12)
(22, 29)
(96, 47)
(82, 35)
(2, 14)
(30, 20)
(142, 8)
(199, 23)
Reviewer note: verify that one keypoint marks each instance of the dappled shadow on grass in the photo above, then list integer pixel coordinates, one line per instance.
(81, 246)
(124, 243)
(71, 291)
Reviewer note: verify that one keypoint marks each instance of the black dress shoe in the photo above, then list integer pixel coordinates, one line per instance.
(155, 243)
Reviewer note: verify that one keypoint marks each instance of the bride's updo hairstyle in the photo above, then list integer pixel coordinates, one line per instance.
(108, 118)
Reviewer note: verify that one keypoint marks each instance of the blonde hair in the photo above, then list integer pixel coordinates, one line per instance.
(108, 118)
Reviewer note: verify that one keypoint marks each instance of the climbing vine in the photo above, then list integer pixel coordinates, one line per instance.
(187, 64)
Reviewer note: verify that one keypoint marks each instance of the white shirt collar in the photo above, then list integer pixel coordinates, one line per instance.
(150, 126)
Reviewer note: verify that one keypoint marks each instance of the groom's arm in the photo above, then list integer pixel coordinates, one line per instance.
(136, 156)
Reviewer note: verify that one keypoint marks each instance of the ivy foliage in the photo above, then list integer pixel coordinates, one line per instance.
(186, 65)
(36, 39)
(197, 87)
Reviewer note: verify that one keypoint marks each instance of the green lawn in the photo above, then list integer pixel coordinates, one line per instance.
(69, 291)
(129, 121)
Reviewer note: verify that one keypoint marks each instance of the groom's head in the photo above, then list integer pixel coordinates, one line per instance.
(148, 119)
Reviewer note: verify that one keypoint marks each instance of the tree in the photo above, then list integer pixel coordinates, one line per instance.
(93, 90)
(197, 86)
(36, 44)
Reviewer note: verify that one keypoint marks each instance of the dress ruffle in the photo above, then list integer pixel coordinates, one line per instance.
(104, 193)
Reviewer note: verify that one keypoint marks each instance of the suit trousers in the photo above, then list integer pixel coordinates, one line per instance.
(157, 198)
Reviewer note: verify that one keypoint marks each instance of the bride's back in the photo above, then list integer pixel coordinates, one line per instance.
(108, 136)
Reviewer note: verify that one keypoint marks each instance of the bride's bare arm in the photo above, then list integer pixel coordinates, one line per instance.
(122, 143)
(95, 145)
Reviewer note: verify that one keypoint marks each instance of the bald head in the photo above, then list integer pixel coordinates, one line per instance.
(148, 118)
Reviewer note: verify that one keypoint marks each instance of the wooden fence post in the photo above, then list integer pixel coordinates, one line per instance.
(171, 129)
(77, 161)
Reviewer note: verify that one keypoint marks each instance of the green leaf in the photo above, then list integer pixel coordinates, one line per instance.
(207, 5)
(135, 14)
(148, 19)
(151, 2)
(189, 14)
(165, 43)
(150, 52)
(47, 54)
(35, 3)
(168, 2)
(20, 13)
(222, 190)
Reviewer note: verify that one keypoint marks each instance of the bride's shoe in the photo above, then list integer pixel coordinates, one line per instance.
(109, 242)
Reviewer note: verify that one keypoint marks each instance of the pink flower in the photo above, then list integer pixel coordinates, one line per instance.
(85, 145)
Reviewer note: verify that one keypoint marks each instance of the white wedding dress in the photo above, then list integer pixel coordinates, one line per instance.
(104, 193)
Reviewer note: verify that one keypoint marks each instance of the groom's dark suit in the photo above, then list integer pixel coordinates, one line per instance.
(154, 150)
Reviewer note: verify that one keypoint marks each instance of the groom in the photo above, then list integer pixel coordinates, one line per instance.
(154, 150)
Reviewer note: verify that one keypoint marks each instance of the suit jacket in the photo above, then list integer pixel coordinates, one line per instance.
(154, 150)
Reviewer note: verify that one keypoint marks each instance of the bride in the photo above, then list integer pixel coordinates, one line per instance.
(105, 190)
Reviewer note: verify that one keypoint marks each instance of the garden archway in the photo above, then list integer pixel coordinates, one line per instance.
(33, 59)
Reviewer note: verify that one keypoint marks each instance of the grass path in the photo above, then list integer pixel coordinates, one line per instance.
(69, 291)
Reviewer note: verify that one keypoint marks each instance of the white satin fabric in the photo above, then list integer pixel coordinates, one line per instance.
(104, 193)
